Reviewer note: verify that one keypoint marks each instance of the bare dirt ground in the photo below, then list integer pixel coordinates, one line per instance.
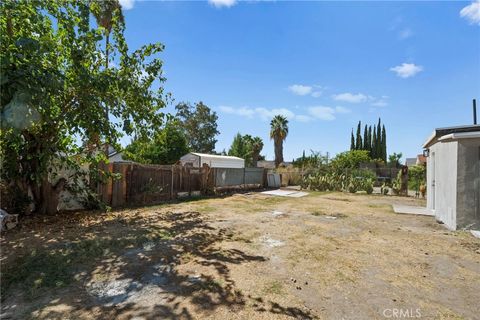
(247, 256)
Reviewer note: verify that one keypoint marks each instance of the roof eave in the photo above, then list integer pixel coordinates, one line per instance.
(430, 139)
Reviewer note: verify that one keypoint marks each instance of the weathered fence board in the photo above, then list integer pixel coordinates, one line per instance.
(137, 184)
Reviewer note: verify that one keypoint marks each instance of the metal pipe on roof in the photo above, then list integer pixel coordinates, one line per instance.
(474, 111)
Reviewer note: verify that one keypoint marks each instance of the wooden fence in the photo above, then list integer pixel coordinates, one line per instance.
(137, 184)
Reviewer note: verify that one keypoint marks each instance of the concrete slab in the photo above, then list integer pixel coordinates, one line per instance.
(475, 233)
(285, 193)
(404, 209)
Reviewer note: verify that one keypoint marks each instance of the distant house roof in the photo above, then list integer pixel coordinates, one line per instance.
(421, 159)
(456, 132)
(267, 164)
(410, 162)
(270, 164)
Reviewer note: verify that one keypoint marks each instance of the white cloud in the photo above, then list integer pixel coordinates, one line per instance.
(222, 3)
(263, 113)
(406, 70)
(342, 110)
(380, 103)
(405, 33)
(127, 4)
(322, 113)
(303, 90)
(303, 118)
(472, 12)
(300, 90)
(243, 111)
(350, 97)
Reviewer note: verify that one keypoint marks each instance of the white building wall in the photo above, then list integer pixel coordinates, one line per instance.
(468, 190)
(190, 158)
(118, 157)
(213, 161)
(442, 182)
(224, 163)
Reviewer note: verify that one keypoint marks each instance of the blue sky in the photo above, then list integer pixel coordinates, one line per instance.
(325, 65)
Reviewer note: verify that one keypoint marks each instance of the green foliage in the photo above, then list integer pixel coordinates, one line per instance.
(246, 147)
(349, 160)
(342, 174)
(314, 160)
(394, 159)
(353, 181)
(375, 144)
(352, 142)
(384, 189)
(416, 177)
(166, 147)
(199, 125)
(52, 65)
(239, 147)
(358, 141)
(397, 183)
(278, 132)
(14, 200)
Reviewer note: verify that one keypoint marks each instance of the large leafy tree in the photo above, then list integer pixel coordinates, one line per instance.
(278, 132)
(54, 89)
(106, 13)
(166, 147)
(246, 147)
(349, 160)
(394, 159)
(199, 124)
(239, 147)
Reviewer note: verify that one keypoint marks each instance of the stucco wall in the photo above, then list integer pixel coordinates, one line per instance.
(442, 163)
(468, 189)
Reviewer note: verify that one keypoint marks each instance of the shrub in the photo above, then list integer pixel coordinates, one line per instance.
(14, 200)
(349, 160)
(357, 180)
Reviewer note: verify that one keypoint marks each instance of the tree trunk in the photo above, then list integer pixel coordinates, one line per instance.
(255, 156)
(107, 43)
(278, 151)
(46, 196)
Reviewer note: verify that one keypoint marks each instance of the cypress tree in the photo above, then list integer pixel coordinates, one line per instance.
(384, 144)
(370, 140)
(358, 145)
(365, 138)
(352, 142)
(378, 145)
(374, 143)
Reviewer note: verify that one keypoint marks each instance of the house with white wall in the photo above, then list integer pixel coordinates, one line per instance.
(453, 176)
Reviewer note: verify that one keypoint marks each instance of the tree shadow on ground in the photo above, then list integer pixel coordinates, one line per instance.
(125, 266)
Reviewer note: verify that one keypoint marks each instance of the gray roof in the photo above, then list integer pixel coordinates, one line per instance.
(438, 132)
(410, 162)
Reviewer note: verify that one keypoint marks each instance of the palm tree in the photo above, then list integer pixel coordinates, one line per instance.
(278, 132)
(106, 12)
(257, 146)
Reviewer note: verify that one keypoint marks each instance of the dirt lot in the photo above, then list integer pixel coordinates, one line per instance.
(247, 256)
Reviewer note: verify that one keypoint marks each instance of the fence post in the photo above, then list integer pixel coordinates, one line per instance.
(171, 185)
(244, 187)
